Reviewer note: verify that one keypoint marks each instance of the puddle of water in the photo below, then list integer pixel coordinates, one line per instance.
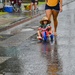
(54, 66)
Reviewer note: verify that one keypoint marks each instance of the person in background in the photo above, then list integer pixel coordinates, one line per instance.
(12, 2)
(19, 3)
(16, 5)
(34, 3)
(53, 7)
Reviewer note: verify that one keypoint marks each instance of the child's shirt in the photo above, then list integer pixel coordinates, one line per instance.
(44, 26)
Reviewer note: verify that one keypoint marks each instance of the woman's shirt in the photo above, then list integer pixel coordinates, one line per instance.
(52, 2)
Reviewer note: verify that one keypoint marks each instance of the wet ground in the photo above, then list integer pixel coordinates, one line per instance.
(31, 58)
(22, 54)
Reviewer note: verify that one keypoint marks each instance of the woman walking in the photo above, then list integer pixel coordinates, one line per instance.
(53, 7)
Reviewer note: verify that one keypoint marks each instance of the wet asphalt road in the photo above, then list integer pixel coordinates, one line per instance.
(32, 58)
(20, 55)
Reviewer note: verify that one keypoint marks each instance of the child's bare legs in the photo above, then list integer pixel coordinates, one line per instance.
(39, 35)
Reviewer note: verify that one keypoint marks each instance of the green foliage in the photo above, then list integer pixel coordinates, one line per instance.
(3, 13)
(40, 3)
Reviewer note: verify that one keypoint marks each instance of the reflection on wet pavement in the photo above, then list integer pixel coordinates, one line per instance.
(8, 51)
(54, 65)
(4, 37)
(10, 65)
(27, 60)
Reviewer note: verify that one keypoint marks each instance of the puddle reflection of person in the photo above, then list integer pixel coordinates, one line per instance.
(49, 51)
(54, 64)
(45, 48)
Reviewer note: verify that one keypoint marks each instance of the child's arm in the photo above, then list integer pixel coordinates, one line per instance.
(48, 26)
(39, 27)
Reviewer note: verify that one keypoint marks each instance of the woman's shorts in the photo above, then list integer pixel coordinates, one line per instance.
(57, 7)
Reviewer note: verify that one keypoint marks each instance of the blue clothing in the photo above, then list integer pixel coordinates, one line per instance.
(57, 7)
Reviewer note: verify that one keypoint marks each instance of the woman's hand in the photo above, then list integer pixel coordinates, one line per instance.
(60, 8)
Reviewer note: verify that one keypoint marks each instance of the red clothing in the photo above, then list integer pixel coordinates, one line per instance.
(19, 2)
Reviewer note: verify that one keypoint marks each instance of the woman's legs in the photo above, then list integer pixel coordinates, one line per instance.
(55, 15)
(54, 12)
(48, 13)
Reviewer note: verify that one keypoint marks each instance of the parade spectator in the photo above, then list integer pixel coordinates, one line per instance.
(19, 3)
(34, 3)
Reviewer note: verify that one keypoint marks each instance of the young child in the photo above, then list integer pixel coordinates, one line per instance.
(45, 23)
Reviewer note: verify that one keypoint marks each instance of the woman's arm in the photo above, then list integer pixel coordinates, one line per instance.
(60, 5)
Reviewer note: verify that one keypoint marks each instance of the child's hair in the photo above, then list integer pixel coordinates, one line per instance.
(45, 19)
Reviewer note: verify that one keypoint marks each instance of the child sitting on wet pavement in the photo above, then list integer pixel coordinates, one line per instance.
(45, 23)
